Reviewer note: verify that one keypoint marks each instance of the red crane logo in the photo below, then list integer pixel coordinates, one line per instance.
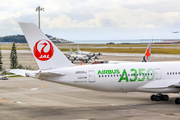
(41, 54)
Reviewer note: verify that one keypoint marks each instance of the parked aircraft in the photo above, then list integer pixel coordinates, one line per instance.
(77, 57)
(4, 77)
(89, 54)
(155, 77)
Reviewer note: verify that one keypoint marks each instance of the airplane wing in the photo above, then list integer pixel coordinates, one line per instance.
(161, 84)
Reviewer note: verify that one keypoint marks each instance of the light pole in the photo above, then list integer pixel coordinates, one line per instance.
(39, 9)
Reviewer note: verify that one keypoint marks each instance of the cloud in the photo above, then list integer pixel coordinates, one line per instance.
(112, 15)
(92, 14)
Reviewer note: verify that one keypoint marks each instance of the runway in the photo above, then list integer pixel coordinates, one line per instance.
(24, 98)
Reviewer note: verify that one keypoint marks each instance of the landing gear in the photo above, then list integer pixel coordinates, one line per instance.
(177, 101)
(159, 97)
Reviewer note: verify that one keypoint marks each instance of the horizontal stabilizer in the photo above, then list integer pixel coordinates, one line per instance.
(19, 71)
(49, 74)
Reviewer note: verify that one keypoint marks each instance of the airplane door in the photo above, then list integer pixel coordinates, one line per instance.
(158, 73)
(91, 76)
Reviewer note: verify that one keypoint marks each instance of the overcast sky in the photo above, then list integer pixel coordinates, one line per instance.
(94, 19)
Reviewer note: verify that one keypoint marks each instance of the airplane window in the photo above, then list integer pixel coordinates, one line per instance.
(148, 73)
(145, 74)
(108, 75)
(111, 75)
(99, 75)
(173, 73)
(179, 72)
(176, 73)
(117, 75)
(151, 73)
(114, 75)
(102, 76)
(128, 74)
(170, 73)
(167, 73)
(137, 74)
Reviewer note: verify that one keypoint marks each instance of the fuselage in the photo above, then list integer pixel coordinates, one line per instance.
(125, 77)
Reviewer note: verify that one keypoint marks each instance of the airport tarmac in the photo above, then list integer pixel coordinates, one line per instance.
(25, 98)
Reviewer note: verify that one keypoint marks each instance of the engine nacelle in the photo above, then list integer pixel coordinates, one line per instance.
(31, 74)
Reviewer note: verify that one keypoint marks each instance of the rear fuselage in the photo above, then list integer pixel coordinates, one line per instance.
(125, 77)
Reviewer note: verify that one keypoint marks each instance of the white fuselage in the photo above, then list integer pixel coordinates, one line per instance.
(125, 77)
(89, 54)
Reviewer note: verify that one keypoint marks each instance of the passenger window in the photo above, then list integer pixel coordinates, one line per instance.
(108, 75)
(176, 73)
(99, 75)
(102, 76)
(114, 75)
(167, 73)
(117, 75)
(111, 75)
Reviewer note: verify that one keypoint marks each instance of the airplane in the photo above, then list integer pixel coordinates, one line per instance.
(89, 54)
(175, 31)
(4, 77)
(77, 57)
(153, 77)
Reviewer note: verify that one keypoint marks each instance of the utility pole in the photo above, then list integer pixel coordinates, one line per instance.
(39, 9)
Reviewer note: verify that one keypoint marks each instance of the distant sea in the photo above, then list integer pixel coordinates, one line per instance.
(114, 41)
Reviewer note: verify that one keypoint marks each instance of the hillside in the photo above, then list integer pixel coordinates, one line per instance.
(21, 39)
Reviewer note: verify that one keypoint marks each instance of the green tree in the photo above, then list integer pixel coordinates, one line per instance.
(1, 66)
(13, 57)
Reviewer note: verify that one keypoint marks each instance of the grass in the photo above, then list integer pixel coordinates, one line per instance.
(132, 50)
(87, 47)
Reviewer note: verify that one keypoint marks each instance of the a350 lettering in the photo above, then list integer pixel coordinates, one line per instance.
(139, 75)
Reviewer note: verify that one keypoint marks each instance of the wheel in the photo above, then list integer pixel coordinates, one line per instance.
(177, 101)
(165, 97)
(157, 98)
(152, 97)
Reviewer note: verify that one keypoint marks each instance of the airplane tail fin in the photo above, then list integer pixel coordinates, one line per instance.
(71, 51)
(78, 48)
(147, 56)
(46, 54)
